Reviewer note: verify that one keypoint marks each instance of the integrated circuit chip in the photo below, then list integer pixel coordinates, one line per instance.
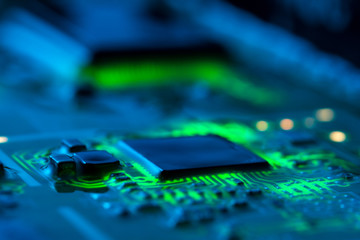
(176, 157)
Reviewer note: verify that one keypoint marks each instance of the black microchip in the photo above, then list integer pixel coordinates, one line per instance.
(175, 157)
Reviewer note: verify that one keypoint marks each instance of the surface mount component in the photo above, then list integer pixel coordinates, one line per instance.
(95, 163)
(175, 157)
(73, 145)
(298, 139)
(62, 165)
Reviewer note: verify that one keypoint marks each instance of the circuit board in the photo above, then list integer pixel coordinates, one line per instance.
(163, 119)
(195, 179)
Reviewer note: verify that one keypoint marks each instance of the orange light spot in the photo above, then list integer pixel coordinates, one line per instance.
(287, 124)
(337, 136)
(3, 139)
(262, 126)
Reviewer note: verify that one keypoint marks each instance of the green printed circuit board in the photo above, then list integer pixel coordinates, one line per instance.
(199, 179)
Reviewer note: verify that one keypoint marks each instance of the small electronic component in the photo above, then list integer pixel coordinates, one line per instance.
(95, 163)
(90, 164)
(298, 139)
(175, 157)
(62, 165)
(73, 145)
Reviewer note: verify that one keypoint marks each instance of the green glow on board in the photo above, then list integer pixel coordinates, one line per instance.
(281, 181)
(232, 131)
(20, 162)
(86, 184)
(213, 73)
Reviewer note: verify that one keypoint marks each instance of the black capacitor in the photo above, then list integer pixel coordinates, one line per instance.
(95, 164)
(73, 145)
(62, 165)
